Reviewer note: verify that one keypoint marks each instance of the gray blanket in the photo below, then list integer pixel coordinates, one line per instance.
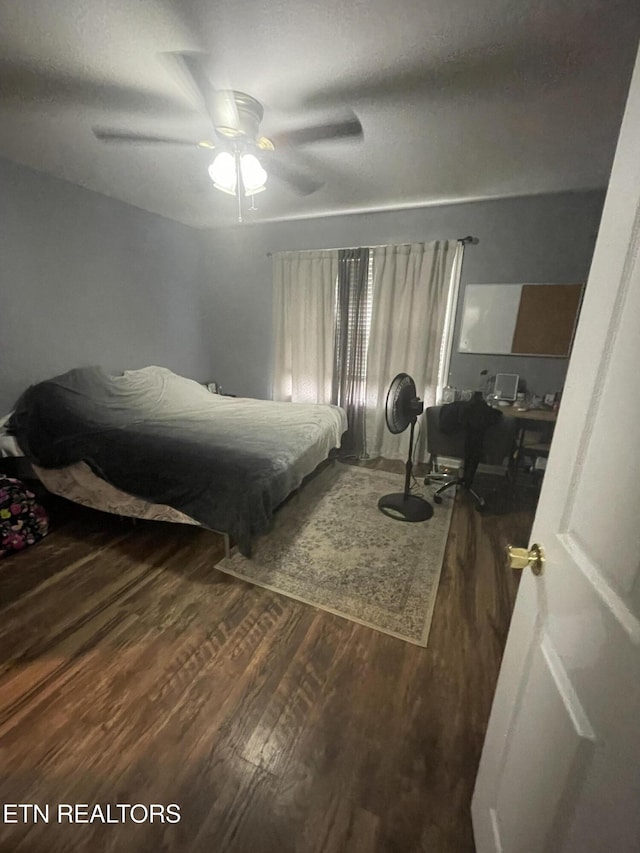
(225, 462)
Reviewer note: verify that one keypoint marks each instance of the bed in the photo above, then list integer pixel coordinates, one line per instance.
(152, 444)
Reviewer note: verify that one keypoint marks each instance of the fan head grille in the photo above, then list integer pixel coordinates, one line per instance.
(402, 404)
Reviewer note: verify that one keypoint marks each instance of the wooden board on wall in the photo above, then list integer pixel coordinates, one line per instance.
(546, 319)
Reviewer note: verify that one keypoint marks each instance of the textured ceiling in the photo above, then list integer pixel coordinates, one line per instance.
(459, 99)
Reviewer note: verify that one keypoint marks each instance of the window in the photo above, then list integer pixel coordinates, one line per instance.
(353, 327)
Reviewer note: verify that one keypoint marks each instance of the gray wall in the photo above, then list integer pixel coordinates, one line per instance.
(546, 239)
(88, 280)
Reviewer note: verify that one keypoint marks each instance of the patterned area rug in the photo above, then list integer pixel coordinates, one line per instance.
(332, 547)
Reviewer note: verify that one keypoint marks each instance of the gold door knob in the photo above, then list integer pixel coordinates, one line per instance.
(520, 558)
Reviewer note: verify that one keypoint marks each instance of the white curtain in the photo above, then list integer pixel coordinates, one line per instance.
(450, 320)
(304, 286)
(411, 286)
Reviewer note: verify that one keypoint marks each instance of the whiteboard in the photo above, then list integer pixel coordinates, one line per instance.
(489, 318)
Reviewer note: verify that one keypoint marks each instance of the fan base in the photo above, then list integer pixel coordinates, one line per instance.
(403, 507)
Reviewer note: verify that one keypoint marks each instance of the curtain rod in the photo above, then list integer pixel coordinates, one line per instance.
(464, 240)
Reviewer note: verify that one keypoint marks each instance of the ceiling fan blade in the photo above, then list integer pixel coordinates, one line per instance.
(30, 86)
(105, 135)
(344, 129)
(219, 104)
(526, 64)
(299, 182)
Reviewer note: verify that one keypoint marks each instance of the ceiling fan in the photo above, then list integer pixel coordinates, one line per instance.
(243, 155)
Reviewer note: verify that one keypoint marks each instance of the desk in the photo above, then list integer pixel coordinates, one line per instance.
(545, 415)
(529, 417)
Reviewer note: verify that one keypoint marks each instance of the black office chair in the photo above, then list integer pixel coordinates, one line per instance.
(498, 444)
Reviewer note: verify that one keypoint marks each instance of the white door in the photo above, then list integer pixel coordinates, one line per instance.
(560, 769)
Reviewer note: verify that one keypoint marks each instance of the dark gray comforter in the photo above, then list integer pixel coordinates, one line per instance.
(225, 462)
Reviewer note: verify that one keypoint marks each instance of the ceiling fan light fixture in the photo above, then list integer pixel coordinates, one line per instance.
(254, 176)
(223, 173)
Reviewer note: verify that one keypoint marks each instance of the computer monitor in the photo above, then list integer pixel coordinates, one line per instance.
(506, 387)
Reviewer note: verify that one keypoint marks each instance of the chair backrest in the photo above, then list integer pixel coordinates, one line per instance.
(498, 439)
(439, 443)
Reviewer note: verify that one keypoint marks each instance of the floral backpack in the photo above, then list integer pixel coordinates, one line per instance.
(23, 521)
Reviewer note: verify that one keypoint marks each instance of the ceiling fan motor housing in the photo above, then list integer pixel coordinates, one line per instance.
(246, 114)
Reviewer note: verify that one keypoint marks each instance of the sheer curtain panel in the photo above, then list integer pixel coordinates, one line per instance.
(410, 293)
(304, 320)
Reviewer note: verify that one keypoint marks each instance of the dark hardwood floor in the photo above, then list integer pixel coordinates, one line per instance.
(132, 672)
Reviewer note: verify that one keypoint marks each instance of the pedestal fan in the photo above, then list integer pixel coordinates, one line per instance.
(401, 410)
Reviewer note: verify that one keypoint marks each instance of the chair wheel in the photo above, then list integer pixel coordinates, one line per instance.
(437, 499)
